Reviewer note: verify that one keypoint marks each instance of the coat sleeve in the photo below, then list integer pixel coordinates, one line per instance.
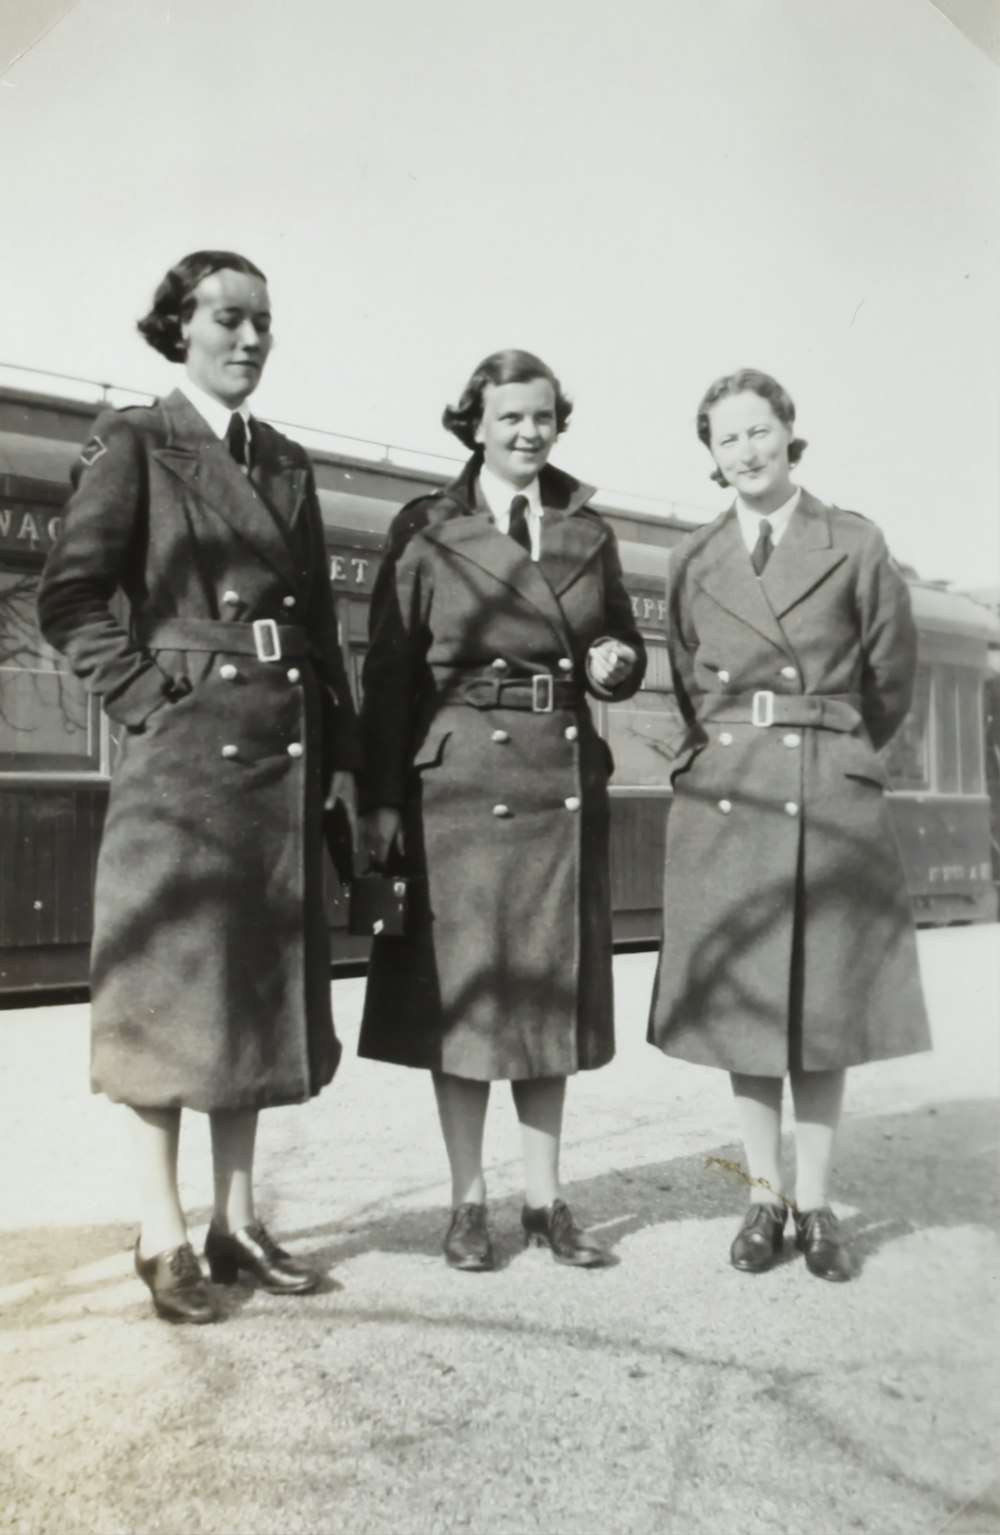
(98, 553)
(393, 680)
(681, 642)
(619, 624)
(341, 735)
(888, 642)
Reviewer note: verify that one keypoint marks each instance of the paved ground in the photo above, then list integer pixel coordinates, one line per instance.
(666, 1394)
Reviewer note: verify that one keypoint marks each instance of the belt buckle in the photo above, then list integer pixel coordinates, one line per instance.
(266, 639)
(762, 709)
(542, 693)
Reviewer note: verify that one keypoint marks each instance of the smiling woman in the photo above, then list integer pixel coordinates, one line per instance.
(210, 961)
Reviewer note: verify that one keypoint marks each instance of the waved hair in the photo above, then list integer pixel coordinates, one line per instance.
(749, 381)
(174, 301)
(508, 367)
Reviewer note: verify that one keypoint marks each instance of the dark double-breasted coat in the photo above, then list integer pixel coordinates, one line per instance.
(507, 971)
(210, 964)
(788, 936)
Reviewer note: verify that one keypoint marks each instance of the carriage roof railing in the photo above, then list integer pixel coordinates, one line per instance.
(69, 387)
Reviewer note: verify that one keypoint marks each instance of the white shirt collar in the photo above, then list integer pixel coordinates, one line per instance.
(498, 495)
(216, 415)
(749, 521)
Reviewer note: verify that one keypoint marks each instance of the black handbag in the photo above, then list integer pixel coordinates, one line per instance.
(378, 902)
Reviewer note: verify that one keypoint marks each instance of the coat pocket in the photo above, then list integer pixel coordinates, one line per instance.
(431, 750)
(860, 761)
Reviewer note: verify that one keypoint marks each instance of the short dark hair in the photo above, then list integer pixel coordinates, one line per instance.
(173, 301)
(749, 381)
(508, 367)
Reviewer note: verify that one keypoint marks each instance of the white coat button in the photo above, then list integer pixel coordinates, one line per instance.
(725, 805)
(499, 665)
(295, 749)
(571, 733)
(230, 596)
(789, 672)
(792, 739)
(723, 676)
(229, 751)
(228, 672)
(565, 664)
(500, 736)
(725, 739)
(288, 602)
(294, 675)
(791, 808)
(572, 803)
(500, 810)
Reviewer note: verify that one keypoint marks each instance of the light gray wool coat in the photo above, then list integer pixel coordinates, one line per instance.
(788, 936)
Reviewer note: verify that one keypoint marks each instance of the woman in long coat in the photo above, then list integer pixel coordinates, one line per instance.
(498, 606)
(788, 941)
(210, 965)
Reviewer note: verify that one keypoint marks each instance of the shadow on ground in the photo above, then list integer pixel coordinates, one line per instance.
(903, 1173)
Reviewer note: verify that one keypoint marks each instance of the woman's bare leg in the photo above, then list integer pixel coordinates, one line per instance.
(233, 1140)
(758, 1111)
(539, 1105)
(462, 1110)
(155, 1141)
(818, 1097)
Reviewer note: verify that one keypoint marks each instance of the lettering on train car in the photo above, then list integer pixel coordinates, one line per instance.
(24, 527)
(648, 609)
(351, 569)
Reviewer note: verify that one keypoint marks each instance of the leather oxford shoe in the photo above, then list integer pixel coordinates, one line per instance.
(467, 1242)
(254, 1250)
(553, 1226)
(817, 1234)
(759, 1240)
(176, 1284)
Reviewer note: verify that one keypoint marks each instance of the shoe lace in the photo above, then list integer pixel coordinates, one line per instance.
(265, 1241)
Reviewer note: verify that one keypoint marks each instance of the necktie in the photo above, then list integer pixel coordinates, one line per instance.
(517, 527)
(763, 548)
(236, 440)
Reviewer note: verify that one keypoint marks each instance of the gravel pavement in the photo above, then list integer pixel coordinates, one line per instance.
(665, 1394)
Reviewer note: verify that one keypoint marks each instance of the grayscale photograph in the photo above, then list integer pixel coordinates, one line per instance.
(499, 669)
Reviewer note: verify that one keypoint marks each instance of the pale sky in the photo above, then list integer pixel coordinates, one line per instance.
(646, 192)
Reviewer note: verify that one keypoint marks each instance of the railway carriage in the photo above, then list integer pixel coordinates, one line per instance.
(57, 748)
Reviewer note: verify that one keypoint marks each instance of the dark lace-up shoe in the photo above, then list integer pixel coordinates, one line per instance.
(254, 1250)
(467, 1242)
(817, 1234)
(553, 1226)
(760, 1238)
(176, 1284)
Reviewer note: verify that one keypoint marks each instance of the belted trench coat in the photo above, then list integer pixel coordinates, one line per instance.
(507, 970)
(210, 964)
(788, 937)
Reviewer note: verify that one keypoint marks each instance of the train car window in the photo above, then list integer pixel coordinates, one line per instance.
(645, 732)
(958, 730)
(48, 721)
(907, 757)
(970, 731)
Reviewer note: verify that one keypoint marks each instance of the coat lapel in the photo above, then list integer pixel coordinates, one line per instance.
(465, 526)
(729, 579)
(804, 557)
(200, 461)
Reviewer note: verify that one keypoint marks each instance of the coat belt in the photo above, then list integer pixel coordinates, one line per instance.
(540, 693)
(230, 639)
(830, 711)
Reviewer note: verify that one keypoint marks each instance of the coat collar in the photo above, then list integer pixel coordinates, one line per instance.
(462, 522)
(804, 558)
(260, 510)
